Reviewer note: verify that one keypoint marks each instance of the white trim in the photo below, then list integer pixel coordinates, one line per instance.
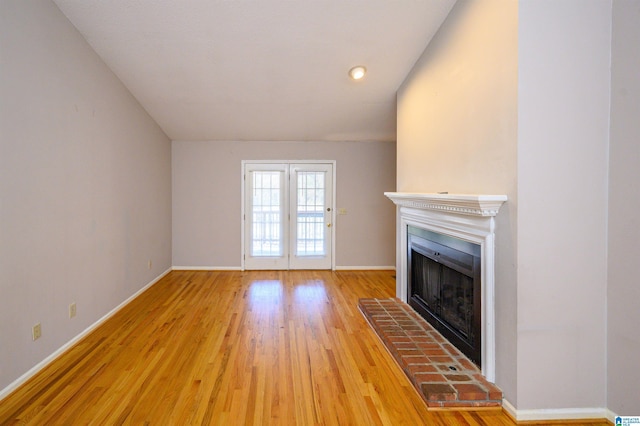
(509, 408)
(62, 349)
(206, 268)
(611, 416)
(466, 217)
(466, 204)
(549, 414)
(365, 268)
(239, 268)
(243, 177)
(334, 216)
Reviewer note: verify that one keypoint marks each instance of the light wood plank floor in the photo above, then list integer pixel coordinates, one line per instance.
(235, 348)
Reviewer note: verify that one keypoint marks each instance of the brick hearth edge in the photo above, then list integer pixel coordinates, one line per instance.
(443, 376)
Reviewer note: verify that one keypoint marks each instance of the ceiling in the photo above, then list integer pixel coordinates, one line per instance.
(262, 69)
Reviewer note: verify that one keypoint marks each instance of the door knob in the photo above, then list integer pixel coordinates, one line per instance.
(328, 225)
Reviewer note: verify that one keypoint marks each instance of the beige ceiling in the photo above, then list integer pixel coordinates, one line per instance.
(262, 69)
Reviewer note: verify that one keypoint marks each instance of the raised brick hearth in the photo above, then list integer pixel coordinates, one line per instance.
(440, 372)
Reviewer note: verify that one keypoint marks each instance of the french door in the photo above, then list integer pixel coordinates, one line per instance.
(288, 215)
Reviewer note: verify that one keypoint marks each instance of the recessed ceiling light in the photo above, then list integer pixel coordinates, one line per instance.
(357, 73)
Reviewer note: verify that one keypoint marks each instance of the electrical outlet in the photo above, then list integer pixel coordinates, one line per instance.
(36, 332)
(342, 211)
(72, 310)
(149, 264)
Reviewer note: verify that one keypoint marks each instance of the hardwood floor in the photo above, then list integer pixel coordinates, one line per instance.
(233, 348)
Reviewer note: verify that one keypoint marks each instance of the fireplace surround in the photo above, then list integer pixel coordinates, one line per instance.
(464, 217)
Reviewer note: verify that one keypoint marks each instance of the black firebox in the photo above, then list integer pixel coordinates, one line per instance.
(444, 287)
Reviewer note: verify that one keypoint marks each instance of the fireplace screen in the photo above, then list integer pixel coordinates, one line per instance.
(444, 287)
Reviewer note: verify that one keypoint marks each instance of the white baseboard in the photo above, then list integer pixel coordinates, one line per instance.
(365, 268)
(611, 416)
(556, 413)
(206, 268)
(238, 268)
(42, 364)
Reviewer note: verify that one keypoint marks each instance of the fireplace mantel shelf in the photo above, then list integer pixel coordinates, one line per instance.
(466, 204)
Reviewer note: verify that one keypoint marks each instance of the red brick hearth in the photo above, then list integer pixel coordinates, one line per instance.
(440, 372)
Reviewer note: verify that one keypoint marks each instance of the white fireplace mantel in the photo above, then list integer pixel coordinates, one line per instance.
(467, 204)
(469, 217)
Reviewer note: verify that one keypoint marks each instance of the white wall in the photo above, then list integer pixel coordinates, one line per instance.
(457, 131)
(623, 294)
(207, 205)
(563, 126)
(85, 187)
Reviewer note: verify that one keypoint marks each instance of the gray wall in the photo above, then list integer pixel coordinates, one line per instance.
(563, 135)
(457, 132)
(623, 293)
(207, 199)
(512, 97)
(85, 187)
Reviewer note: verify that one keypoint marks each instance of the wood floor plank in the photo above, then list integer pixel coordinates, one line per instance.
(221, 347)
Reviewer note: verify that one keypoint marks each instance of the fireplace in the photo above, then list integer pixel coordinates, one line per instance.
(444, 287)
(450, 220)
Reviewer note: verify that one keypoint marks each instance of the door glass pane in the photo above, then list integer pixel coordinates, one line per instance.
(266, 237)
(310, 213)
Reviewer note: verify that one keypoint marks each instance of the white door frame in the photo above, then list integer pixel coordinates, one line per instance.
(288, 162)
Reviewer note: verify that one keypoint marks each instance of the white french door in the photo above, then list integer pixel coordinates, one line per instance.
(288, 215)
(311, 212)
